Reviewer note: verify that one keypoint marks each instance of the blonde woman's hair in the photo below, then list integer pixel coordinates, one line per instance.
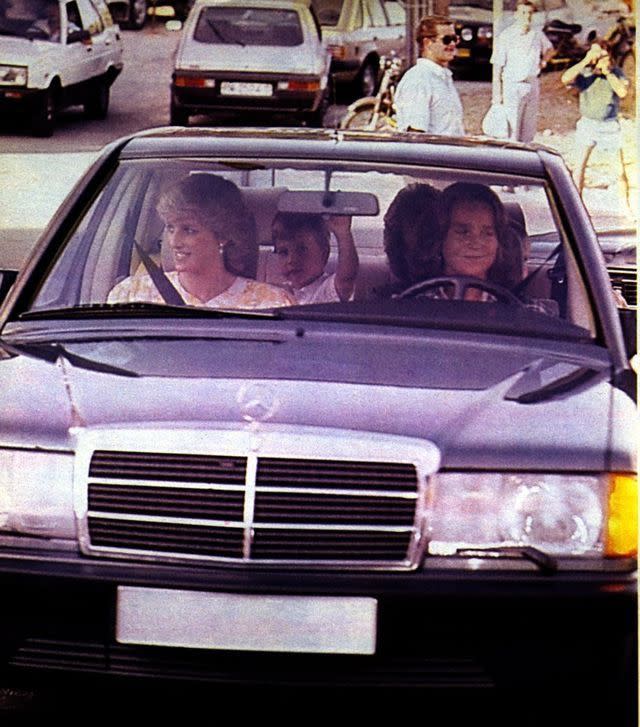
(217, 202)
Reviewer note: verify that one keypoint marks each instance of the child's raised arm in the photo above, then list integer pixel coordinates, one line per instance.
(347, 268)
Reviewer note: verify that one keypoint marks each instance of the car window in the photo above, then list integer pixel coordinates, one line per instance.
(328, 11)
(73, 15)
(91, 20)
(395, 11)
(376, 13)
(104, 12)
(29, 18)
(241, 25)
(531, 258)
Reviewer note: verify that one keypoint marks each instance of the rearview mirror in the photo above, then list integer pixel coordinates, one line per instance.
(329, 203)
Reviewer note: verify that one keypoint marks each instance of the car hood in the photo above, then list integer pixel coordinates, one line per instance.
(482, 422)
(21, 51)
(301, 59)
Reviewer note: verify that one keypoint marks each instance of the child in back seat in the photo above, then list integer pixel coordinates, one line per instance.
(301, 244)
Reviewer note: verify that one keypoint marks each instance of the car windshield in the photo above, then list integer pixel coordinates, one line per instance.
(334, 241)
(247, 26)
(37, 19)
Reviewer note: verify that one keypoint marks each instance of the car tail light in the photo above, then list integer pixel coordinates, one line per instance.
(194, 82)
(339, 52)
(299, 85)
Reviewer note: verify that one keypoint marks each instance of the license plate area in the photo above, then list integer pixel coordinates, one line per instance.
(245, 88)
(246, 622)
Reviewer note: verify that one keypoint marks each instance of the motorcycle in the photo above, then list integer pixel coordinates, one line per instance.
(563, 37)
(377, 112)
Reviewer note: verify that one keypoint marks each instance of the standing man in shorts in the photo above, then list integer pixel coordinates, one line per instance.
(520, 53)
(601, 85)
(426, 99)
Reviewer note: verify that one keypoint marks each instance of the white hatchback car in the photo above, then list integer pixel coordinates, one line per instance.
(57, 53)
(264, 59)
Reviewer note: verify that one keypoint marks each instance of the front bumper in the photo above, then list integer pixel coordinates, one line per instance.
(18, 100)
(439, 630)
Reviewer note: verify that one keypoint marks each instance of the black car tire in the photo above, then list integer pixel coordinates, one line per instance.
(96, 105)
(367, 81)
(178, 116)
(44, 114)
(137, 15)
(181, 9)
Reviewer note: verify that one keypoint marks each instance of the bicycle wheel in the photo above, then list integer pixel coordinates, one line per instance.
(361, 116)
(358, 118)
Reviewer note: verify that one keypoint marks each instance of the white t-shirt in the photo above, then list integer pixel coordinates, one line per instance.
(519, 54)
(321, 290)
(427, 100)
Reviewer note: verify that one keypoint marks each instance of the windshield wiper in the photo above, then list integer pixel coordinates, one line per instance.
(51, 352)
(136, 310)
(223, 37)
(532, 387)
(545, 562)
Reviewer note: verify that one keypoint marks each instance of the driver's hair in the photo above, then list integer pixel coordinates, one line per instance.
(508, 267)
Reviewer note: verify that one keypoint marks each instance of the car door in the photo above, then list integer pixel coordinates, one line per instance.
(91, 21)
(387, 29)
(78, 63)
(397, 24)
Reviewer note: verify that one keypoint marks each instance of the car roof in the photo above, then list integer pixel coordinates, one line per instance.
(336, 144)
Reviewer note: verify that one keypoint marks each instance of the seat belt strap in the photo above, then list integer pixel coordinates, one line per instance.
(165, 287)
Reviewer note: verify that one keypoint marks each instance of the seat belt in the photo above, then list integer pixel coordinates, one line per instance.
(517, 289)
(165, 287)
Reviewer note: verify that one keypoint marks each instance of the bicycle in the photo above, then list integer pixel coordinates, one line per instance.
(376, 113)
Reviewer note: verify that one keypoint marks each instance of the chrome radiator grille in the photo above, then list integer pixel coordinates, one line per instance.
(253, 508)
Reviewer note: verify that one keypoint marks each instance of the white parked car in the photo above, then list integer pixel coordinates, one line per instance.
(264, 59)
(358, 33)
(55, 54)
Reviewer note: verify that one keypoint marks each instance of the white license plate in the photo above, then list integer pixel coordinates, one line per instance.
(239, 622)
(241, 88)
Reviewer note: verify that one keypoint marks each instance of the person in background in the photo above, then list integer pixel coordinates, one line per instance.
(601, 86)
(211, 236)
(426, 99)
(520, 53)
(302, 244)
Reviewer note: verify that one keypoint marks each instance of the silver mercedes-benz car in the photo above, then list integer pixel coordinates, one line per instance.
(423, 479)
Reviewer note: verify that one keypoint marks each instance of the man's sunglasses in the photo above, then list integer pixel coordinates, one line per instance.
(448, 39)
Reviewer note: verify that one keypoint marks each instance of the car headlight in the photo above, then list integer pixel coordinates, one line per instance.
(13, 75)
(485, 31)
(558, 514)
(466, 34)
(36, 493)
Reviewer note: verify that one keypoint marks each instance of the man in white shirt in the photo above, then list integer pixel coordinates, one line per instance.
(519, 54)
(426, 99)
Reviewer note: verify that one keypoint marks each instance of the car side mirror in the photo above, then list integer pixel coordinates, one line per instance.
(78, 36)
(7, 279)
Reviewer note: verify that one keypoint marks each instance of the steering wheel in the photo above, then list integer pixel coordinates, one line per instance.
(459, 284)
